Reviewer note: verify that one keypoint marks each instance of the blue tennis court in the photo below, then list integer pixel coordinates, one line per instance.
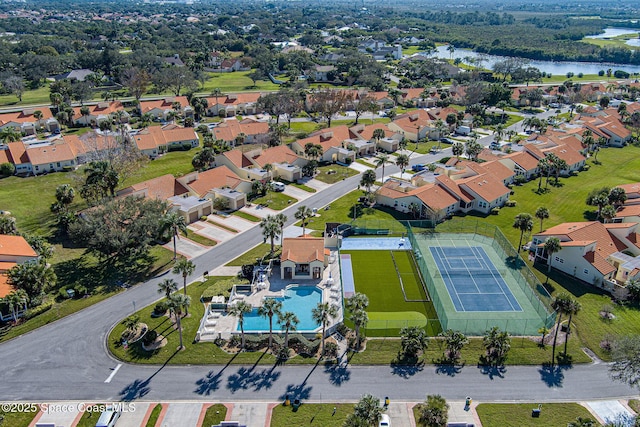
(346, 269)
(472, 280)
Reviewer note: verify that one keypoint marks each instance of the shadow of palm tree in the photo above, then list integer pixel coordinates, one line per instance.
(491, 369)
(248, 378)
(211, 382)
(300, 391)
(338, 374)
(552, 376)
(140, 388)
(448, 367)
(406, 368)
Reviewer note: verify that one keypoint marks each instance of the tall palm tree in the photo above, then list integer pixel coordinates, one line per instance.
(551, 246)
(368, 179)
(239, 310)
(174, 223)
(289, 321)
(269, 308)
(270, 229)
(167, 287)
(378, 134)
(542, 213)
(454, 341)
(357, 301)
(402, 161)
(524, 223)
(303, 214)
(281, 220)
(323, 313)
(543, 167)
(360, 318)
(561, 304)
(178, 304)
(457, 149)
(185, 268)
(381, 160)
(573, 308)
(216, 93)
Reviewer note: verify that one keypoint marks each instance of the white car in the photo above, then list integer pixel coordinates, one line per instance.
(384, 421)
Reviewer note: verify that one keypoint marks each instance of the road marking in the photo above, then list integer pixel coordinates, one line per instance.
(115, 371)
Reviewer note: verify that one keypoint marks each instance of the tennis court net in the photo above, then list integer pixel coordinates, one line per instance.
(469, 273)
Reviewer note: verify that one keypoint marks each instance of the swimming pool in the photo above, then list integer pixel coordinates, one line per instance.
(298, 299)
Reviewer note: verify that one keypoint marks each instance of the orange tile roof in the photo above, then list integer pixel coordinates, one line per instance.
(163, 104)
(219, 177)
(18, 152)
(330, 137)
(628, 210)
(453, 187)
(15, 246)
(599, 262)
(590, 231)
(7, 265)
(412, 120)
(485, 186)
(434, 197)
(231, 128)
(160, 188)
(630, 188)
(59, 152)
(367, 132)
(99, 109)
(302, 249)
(145, 141)
(235, 99)
(25, 116)
(5, 287)
(619, 225)
(5, 156)
(412, 93)
(237, 158)
(279, 154)
(495, 168)
(567, 154)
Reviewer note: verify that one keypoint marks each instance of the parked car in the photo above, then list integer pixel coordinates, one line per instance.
(447, 140)
(108, 418)
(418, 167)
(384, 421)
(277, 186)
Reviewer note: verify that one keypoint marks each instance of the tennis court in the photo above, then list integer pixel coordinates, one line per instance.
(472, 280)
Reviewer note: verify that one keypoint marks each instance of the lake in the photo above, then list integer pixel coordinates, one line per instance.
(553, 67)
(615, 32)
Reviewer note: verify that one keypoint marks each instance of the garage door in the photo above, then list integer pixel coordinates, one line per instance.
(193, 216)
(206, 210)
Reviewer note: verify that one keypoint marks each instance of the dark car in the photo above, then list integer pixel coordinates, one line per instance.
(419, 167)
(447, 140)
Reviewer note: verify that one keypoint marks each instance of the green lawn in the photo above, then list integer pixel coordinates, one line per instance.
(218, 224)
(375, 275)
(176, 163)
(18, 418)
(519, 414)
(424, 147)
(246, 216)
(153, 418)
(252, 255)
(200, 239)
(331, 174)
(236, 81)
(38, 96)
(275, 200)
(566, 203)
(214, 415)
(317, 414)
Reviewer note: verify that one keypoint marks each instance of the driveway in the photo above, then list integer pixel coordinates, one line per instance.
(235, 222)
(316, 184)
(297, 193)
(359, 167)
(182, 414)
(259, 211)
(186, 247)
(134, 418)
(212, 232)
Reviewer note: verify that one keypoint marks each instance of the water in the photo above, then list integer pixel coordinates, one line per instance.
(298, 299)
(554, 67)
(614, 32)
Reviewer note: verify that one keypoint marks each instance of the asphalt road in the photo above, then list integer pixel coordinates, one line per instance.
(68, 358)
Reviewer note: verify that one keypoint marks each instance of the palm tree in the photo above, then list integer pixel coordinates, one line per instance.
(498, 133)
(573, 308)
(551, 246)
(270, 229)
(288, 320)
(582, 422)
(497, 344)
(368, 179)
(451, 48)
(281, 220)
(14, 300)
(454, 340)
(174, 223)
(269, 308)
(381, 160)
(303, 213)
(434, 411)
(360, 318)
(9, 134)
(32, 277)
(179, 303)
(185, 268)
(457, 149)
(167, 287)
(413, 339)
(608, 213)
(239, 310)
(561, 304)
(216, 93)
(542, 213)
(543, 167)
(367, 412)
(102, 174)
(378, 134)
(313, 151)
(402, 161)
(323, 313)
(524, 223)
(131, 323)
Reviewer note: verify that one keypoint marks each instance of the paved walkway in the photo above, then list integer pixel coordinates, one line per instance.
(182, 414)
(251, 414)
(296, 193)
(316, 184)
(608, 410)
(258, 211)
(212, 232)
(135, 418)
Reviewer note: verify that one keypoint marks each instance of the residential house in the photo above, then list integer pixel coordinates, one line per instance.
(174, 60)
(24, 121)
(233, 104)
(389, 143)
(380, 51)
(323, 73)
(241, 164)
(51, 157)
(521, 163)
(414, 125)
(162, 109)
(156, 140)
(14, 250)
(98, 113)
(590, 251)
(229, 65)
(427, 201)
(75, 75)
(247, 131)
(332, 141)
(303, 258)
(218, 183)
(285, 163)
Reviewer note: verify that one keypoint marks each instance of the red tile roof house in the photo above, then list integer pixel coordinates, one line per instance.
(162, 108)
(14, 250)
(285, 163)
(303, 258)
(169, 189)
(414, 125)
(389, 143)
(241, 164)
(333, 143)
(156, 140)
(218, 183)
(25, 122)
(428, 201)
(99, 113)
(247, 131)
(233, 104)
(591, 252)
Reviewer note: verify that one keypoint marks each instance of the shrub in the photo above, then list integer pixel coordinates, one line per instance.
(445, 160)
(149, 337)
(7, 169)
(511, 203)
(331, 350)
(186, 146)
(495, 211)
(36, 311)
(160, 308)
(203, 129)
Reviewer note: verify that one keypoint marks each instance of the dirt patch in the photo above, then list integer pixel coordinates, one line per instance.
(133, 336)
(160, 342)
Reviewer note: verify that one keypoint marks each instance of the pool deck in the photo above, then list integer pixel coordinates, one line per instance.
(219, 324)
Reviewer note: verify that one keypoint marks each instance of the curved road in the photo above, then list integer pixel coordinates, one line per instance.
(67, 360)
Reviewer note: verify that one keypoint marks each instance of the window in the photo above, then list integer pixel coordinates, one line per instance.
(560, 260)
(585, 271)
(58, 164)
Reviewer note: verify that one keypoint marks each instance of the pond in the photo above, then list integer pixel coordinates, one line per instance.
(553, 67)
